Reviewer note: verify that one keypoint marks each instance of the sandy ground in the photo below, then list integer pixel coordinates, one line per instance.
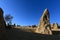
(17, 34)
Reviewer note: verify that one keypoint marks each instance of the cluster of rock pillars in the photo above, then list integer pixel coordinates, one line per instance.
(44, 26)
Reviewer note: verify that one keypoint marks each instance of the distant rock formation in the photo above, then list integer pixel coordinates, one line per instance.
(44, 25)
(2, 22)
(54, 26)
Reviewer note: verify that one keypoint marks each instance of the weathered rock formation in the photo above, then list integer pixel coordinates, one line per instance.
(54, 26)
(44, 25)
(2, 22)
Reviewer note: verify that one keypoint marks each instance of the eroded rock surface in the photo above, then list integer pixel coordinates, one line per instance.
(2, 22)
(44, 25)
(54, 26)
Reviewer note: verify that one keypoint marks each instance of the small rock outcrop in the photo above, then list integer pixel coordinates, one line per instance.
(54, 26)
(44, 24)
(2, 22)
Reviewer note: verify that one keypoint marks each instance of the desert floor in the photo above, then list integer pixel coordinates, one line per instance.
(17, 34)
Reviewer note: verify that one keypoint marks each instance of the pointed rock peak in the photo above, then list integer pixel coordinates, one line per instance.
(1, 11)
(46, 11)
(45, 14)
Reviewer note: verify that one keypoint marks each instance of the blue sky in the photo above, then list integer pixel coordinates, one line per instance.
(29, 12)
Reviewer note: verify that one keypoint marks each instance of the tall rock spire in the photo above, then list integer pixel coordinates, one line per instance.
(45, 14)
(2, 22)
(46, 11)
(44, 24)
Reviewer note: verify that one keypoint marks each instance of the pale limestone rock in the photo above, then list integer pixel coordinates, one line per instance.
(44, 25)
(54, 26)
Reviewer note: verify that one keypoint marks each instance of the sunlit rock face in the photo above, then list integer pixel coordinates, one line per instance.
(44, 24)
(54, 26)
(2, 22)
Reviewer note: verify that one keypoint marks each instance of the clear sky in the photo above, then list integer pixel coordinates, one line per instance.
(29, 12)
